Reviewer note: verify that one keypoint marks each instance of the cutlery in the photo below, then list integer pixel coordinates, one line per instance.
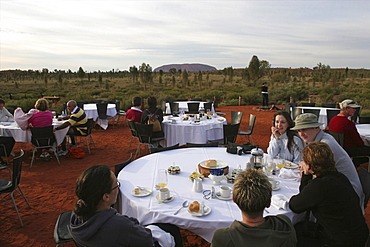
(184, 205)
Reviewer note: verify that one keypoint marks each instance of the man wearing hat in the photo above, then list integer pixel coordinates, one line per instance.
(309, 130)
(353, 144)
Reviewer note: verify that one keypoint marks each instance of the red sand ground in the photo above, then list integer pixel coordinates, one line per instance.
(49, 187)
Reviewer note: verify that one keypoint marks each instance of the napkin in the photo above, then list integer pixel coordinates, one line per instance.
(164, 238)
(280, 201)
(293, 174)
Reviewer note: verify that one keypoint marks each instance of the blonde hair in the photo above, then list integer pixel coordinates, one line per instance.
(42, 104)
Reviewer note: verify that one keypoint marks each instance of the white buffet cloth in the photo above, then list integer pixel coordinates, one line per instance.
(92, 112)
(183, 106)
(142, 172)
(364, 131)
(184, 131)
(20, 135)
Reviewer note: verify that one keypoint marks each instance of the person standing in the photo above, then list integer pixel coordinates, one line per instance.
(265, 94)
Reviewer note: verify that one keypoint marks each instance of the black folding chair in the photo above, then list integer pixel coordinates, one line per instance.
(43, 138)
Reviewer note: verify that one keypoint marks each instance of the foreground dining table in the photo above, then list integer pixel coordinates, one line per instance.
(183, 132)
(147, 209)
(19, 135)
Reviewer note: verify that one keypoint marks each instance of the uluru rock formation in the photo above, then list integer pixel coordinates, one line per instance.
(190, 67)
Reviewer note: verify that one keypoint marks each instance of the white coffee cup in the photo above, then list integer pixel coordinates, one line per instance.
(274, 183)
(225, 191)
(167, 118)
(164, 194)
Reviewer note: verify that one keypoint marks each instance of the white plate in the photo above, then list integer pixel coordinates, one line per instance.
(292, 165)
(172, 196)
(276, 188)
(143, 192)
(207, 210)
(218, 195)
(220, 164)
(6, 123)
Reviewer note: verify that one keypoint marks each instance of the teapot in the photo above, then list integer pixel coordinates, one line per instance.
(257, 158)
(197, 185)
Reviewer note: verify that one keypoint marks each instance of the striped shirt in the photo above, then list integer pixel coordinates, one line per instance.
(78, 120)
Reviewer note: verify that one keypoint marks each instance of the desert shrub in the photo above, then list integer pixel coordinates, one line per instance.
(252, 97)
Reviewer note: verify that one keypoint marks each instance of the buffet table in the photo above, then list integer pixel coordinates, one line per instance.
(364, 131)
(19, 135)
(92, 112)
(182, 131)
(147, 209)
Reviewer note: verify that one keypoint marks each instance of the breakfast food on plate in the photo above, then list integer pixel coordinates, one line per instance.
(173, 170)
(195, 175)
(194, 206)
(211, 163)
(288, 164)
(136, 191)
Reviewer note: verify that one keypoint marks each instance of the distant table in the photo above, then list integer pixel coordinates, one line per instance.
(20, 135)
(183, 131)
(142, 172)
(322, 116)
(92, 112)
(364, 131)
(183, 106)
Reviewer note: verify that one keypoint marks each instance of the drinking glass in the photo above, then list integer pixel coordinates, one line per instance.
(281, 161)
(162, 178)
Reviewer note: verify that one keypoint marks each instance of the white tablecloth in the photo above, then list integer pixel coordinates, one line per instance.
(183, 106)
(322, 116)
(142, 172)
(364, 131)
(183, 131)
(20, 135)
(92, 112)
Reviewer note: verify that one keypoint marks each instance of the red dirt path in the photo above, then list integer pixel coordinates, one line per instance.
(49, 187)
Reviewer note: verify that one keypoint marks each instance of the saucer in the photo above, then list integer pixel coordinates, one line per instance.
(276, 188)
(207, 210)
(172, 196)
(218, 195)
(143, 192)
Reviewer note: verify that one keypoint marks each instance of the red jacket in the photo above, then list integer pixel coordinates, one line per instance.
(342, 124)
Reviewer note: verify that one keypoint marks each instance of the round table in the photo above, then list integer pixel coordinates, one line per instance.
(142, 172)
(92, 112)
(185, 131)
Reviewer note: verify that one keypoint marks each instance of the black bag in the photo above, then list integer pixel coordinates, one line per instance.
(307, 232)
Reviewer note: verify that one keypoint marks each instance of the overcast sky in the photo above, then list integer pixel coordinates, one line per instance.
(105, 35)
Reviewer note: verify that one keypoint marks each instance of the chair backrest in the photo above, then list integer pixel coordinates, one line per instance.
(131, 124)
(90, 125)
(287, 108)
(313, 111)
(193, 107)
(102, 108)
(120, 166)
(230, 133)
(207, 106)
(356, 114)
(61, 232)
(364, 120)
(328, 105)
(330, 114)
(43, 136)
(365, 182)
(144, 132)
(236, 117)
(339, 137)
(197, 145)
(174, 106)
(163, 106)
(6, 145)
(296, 111)
(81, 104)
(118, 106)
(252, 121)
(293, 104)
(309, 104)
(161, 149)
(17, 170)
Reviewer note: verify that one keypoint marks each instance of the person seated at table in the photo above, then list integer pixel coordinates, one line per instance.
(285, 141)
(252, 193)
(135, 112)
(43, 117)
(95, 223)
(353, 143)
(77, 120)
(309, 130)
(7, 142)
(331, 198)
(153, 110)
(5, 115)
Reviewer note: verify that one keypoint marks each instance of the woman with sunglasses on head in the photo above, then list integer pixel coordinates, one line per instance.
(285, 141)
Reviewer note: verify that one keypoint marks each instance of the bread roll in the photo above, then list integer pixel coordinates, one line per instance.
(211, 163)
(194, 206)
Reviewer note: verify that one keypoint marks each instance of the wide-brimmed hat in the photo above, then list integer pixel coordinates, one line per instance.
(305, 121)
(348, 103)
